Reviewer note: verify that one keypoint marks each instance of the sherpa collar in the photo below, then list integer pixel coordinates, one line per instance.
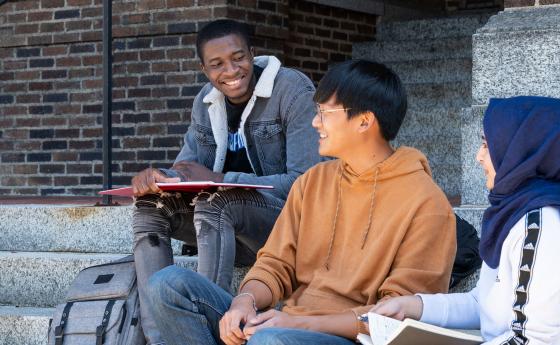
(265, 84)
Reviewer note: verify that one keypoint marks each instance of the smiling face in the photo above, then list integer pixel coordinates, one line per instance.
(228, 63)
(483, 157)
(338, 135)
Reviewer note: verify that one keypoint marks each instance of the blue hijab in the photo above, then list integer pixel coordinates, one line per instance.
(523, 136)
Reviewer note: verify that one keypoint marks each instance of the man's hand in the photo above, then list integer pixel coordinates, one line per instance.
(145, 182)
(240, 311)
(271, 318)
(400, 308)
(192, 171)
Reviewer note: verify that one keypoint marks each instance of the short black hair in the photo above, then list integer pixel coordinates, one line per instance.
(220, 28)
(363, 86)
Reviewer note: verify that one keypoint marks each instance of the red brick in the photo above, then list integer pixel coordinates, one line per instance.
(66, 181)
(53, 121)
(39, 39)
(78, 2)
(16, 87)
(150, 30)
(166, 67)
(26, 29)
(31, 98)
(137, 18)
(69, 84)
(79, 25)
(15, 110)
(179, 3)
(52, 3)
(52, 27)
(28, 145)
(39, 180)
(148, 55)
(28, 75)
(25, 168)
(68, 61)
(16, 18)
(27, 5)
(55, 50)
(15, 133)
(39, 16)
(67, 109)
(93, 84)
(92, 132)
(15, 64)
(81, 73)
(65, 38)
(144, 5)
(92, 60)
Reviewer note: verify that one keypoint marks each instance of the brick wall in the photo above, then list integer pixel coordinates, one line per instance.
(321, 34)
(50, 80)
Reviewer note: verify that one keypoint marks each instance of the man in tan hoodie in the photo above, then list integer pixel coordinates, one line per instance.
(367, 226)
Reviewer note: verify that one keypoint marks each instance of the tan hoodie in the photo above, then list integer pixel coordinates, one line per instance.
(394, 235)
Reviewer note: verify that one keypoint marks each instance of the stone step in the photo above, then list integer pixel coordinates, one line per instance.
(24, 326)
(426, 97)
(60, 228)
(452, 27)
(433, 71)
(393, 51)
(41, 279)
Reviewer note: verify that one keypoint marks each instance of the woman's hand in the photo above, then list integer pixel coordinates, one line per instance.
(400, 308)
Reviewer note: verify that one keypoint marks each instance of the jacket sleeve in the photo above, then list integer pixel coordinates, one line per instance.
(535, 315)
(275, 265)
(301, 145)
(456, 310)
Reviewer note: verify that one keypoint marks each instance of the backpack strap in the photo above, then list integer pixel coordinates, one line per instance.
(59, 330)
(100, 330)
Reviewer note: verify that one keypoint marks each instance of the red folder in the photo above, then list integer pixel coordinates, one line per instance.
(194, 187)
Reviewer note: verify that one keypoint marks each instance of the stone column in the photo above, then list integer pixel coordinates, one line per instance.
(516, 53)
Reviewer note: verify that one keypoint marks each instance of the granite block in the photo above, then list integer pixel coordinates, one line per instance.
(433, 71)
(24, 326)
(517, 53)
(431, 28)
(392, 51)
(473, 190)
(42, 279)
(68, 228)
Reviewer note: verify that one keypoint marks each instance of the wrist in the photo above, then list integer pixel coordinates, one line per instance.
(415, 307)
(246, 298)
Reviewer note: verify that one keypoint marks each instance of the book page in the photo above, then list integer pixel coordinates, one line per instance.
(381, 328)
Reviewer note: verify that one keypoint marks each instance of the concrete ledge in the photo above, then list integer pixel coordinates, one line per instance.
(68, 228)
(42, 279)
(24, 326)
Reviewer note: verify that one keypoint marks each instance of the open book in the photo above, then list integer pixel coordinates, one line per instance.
(193, 187)
(388, 331)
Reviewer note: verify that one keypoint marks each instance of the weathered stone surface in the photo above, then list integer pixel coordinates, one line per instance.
(42, 279)
(24, 326)
(517, 53)
(68, 228)
(392, 51)
(431, 28)
(473, 190)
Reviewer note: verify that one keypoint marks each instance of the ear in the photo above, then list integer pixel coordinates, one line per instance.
(367, 121)
(252, 51)
(203, 69)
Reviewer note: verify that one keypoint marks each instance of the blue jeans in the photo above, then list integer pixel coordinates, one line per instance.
(228, 226)
(187, 308)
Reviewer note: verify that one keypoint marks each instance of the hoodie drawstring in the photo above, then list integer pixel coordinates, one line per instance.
(370, 216)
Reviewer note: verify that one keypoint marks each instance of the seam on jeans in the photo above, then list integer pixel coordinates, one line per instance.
(169, 204)
(206, 303)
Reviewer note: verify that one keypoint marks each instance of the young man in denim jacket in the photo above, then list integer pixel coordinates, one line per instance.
(250, 124)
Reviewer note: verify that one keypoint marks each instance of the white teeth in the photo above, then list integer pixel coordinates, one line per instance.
(233, 82)
(322, 136)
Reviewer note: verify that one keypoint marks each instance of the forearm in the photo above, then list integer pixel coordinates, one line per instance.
(261, 293)
(343, 325)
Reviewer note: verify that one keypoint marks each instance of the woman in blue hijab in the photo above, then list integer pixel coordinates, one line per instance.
(517, 298)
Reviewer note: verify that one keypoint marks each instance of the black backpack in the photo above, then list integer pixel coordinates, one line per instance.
(467, 259)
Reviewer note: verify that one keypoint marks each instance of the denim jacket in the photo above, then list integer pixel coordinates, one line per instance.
(276, 127)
